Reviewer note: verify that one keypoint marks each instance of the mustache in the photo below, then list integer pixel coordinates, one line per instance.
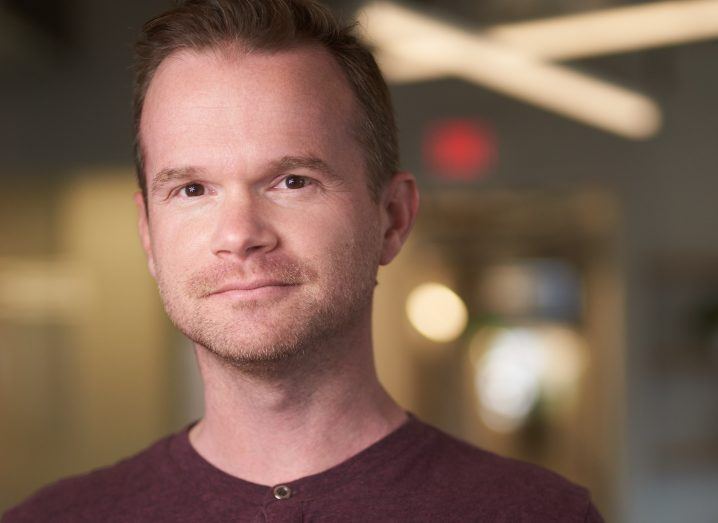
(204, 282)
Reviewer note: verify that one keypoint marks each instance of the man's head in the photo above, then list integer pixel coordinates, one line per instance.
(258, 222)
(270, 26)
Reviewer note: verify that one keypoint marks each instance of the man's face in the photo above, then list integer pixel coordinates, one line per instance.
(262, 235)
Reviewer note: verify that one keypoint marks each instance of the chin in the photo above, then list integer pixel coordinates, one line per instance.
(261, 343)
(267, 333)
(247, 357)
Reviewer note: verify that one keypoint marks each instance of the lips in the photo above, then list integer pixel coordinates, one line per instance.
(248, 287)
(251, 279)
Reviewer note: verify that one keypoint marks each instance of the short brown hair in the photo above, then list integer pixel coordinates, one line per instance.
(273, 25)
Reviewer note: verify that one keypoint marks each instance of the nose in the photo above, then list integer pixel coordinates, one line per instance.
(242, 229)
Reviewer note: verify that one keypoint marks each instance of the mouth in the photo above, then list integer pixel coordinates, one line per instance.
(253, 290)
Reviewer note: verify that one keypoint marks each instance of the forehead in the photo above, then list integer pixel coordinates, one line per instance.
(297, 71)
(230, 94)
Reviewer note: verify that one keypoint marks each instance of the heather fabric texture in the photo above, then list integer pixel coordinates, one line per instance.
(416, 473)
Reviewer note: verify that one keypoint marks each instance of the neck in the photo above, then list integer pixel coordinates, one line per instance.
(304, 417)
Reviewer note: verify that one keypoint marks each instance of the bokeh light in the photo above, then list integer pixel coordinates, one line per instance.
(437, 312)
(517, 367)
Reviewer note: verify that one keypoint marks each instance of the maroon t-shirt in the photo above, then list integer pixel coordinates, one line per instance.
(416, 473)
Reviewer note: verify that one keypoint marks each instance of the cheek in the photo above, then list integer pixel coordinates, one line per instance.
(347, 239)
(177, 243)
(326, 228)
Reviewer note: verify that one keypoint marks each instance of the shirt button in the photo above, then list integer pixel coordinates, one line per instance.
(282, 492)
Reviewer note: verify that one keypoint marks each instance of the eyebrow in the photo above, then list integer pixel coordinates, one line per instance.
(287, 163)
(173, 174)
(283, 164)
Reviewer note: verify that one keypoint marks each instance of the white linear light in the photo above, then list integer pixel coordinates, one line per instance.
(612, 30)
(601, 32)
(397, 70)
(407, 37)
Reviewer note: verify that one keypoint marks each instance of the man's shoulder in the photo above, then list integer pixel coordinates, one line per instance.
(85, 496)
(471, 463)
(458, 470)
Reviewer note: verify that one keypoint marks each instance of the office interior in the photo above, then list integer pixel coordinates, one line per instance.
(557, 301)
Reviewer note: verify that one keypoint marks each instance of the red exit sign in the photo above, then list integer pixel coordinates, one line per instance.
(460, 149)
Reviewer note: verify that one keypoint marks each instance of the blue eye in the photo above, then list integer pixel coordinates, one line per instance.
(193, 189)
(295, 182)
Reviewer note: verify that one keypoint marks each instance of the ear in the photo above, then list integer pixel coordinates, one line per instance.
(144, 230)
(400, 203)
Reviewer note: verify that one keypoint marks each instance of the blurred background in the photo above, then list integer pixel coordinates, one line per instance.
(557, 302)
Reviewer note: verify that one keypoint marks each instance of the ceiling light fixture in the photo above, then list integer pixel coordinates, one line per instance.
(614, 30)
(412, 39)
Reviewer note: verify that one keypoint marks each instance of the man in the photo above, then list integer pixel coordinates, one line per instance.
(270, 194)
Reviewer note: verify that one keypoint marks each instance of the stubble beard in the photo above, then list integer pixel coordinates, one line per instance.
(265, 336)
